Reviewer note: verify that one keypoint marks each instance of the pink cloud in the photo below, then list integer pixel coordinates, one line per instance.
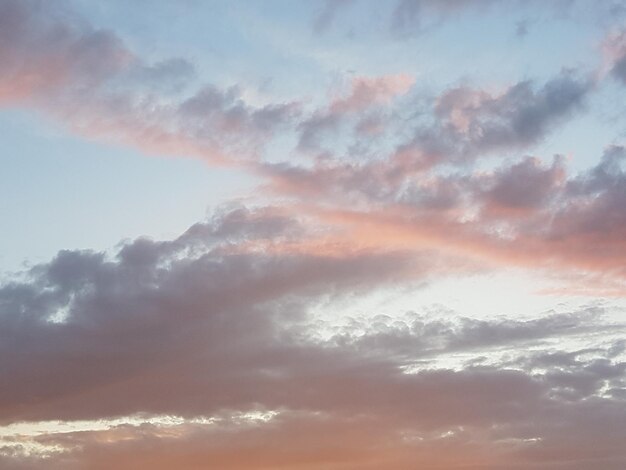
(365, 92)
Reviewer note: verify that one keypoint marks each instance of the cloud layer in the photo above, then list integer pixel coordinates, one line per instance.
(237, 345)
(208, 328)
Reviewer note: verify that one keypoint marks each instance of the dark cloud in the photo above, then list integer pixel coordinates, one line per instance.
(162, 306)
(517, 419)
(597, 207)
(525, 185)
(216, 323)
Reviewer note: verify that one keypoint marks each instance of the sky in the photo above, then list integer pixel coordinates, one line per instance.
(321, 235)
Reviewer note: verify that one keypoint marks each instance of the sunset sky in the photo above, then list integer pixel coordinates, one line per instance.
(313, 234)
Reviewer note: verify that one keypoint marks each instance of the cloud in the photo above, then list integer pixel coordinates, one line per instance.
(43, 54)
(596, 205)
(525, 213)
(516, 419)
(327, 14)
(92, 82)
(363, 101)
(157, 309)
(615, 51)
(216, 328)
(524, 186)
(209, 349)
(378, 119)
(476, 122)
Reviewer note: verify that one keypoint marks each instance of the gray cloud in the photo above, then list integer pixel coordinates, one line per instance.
(597, 202)
(207, 325)
(157, 304)
(476, 122)
(525, 185)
